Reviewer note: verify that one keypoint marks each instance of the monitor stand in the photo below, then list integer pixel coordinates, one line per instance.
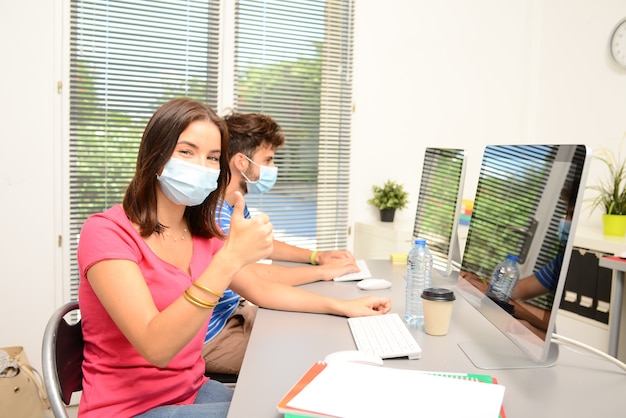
(453, 263)
(504, 355)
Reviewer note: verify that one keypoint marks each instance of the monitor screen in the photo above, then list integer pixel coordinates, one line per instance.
(438, 206)
(526, 199)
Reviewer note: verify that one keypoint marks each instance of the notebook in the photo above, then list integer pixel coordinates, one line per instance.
(345, 389)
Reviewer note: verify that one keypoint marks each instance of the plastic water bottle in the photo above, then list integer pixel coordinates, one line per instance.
(419, 273)
(504, 278)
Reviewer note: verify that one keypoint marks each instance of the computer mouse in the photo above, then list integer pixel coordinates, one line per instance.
(374, 284)
(354, 356)
(622, 254)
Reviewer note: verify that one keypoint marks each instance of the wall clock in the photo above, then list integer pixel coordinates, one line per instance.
(618, 44)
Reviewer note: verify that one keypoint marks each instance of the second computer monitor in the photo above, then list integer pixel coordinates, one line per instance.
(527, 196)
(439, 205)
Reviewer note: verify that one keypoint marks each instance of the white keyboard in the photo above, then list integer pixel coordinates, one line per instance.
(385, 336)
(359, 275)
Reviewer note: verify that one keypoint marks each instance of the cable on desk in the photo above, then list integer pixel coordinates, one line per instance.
(559, 339)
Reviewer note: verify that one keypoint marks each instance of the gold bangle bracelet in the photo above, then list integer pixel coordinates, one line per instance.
(312, 259)
(206, 289)
(197, 301)
(194, 300)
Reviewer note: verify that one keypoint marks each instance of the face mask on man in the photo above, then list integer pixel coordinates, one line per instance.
(185, 183)
(564, 227)
(267, 179)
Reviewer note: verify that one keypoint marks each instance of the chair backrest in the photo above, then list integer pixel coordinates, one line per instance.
(62, 358)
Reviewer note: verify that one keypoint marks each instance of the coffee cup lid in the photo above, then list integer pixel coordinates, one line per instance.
(438, 294)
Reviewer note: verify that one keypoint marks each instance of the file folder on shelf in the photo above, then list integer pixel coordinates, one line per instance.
(603, 295)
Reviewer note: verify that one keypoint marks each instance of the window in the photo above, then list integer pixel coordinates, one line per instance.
(292, 60)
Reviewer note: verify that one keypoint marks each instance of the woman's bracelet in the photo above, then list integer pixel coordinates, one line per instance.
(312, 259)
(206, 289)
(194, 300)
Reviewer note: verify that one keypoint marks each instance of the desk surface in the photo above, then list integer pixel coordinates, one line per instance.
(283, 345)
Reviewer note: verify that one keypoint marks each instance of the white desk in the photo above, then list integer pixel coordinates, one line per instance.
(617, 288)
(284, 345)
(594, 239)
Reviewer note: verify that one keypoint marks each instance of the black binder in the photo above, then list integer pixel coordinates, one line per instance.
(603, 294)
(571, 290)
(588, 285)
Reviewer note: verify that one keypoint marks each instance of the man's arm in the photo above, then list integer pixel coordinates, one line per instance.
(528, 288)
(286, 252)
(283, 251)
(297, 275)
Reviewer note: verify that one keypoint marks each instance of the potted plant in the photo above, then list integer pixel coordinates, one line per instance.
(388, 198)
(611, 192)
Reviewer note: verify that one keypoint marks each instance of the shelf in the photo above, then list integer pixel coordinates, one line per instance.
(379, 240)
(594, 239)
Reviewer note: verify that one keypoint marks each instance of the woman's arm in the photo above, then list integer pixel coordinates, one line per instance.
(271, 294)
(160, 335)
(157, 336)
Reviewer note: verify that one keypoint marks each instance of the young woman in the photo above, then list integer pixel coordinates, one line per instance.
(153, 268)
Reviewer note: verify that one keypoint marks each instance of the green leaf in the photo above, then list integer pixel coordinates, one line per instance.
(390, 195)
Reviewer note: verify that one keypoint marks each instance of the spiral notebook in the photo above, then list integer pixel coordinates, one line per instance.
(346, 389)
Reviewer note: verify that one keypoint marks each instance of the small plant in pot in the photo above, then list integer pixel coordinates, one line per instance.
(387, 198)
(611, 192)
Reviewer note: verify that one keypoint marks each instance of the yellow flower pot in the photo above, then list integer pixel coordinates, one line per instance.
(614, 225)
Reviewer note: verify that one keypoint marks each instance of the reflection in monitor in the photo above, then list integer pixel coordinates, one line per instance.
(438, 206)
(524, 195)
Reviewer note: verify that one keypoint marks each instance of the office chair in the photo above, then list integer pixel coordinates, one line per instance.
(62, 359)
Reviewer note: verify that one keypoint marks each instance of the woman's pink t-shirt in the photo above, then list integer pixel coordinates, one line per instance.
(117, 380)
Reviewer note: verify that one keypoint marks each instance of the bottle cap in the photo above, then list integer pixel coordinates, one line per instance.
(420, 241)
(512, 257)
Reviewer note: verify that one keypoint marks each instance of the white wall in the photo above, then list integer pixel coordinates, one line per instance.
(453, 73)
(466, 74)
(30, 278)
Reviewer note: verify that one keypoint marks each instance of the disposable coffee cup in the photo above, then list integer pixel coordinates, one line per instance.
(437, 304)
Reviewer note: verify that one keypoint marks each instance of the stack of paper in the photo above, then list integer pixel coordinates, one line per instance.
(398, 259)
(354, 390)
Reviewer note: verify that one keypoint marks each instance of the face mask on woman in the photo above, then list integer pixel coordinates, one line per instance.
(267, 179)
(186, 183)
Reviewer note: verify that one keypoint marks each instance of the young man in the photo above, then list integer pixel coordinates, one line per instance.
(253, 141)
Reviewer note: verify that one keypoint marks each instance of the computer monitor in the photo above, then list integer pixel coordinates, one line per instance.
(439, 206)
(523, 194)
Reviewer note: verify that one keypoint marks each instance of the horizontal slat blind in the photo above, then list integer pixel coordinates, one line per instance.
(507, 197)
(436, 208)
(127, 58)
(293, 61)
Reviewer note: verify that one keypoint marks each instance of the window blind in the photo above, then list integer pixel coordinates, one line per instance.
(507, 198)
(508, 207)
(127, 58)
(440, 184)
(293, 61)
